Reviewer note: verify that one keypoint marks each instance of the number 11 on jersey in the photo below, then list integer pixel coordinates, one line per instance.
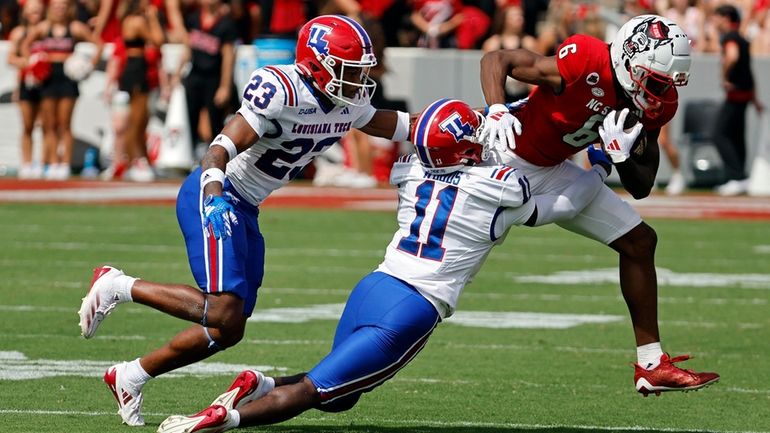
(431, 249)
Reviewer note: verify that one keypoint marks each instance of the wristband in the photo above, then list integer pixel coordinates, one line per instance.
(224, 141)
(212, 175)
(402, 127)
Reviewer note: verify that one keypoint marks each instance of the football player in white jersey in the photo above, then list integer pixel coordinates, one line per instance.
(289, 115)
(450, 215)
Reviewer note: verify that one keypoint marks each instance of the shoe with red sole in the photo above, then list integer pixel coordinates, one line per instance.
(213, 419)
(101, 299)
(668, 377)
(127, 394)
(248, 386)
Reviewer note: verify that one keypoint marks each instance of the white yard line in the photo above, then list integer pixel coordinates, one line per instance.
(429, 423)
(417, 423)
(629, 352)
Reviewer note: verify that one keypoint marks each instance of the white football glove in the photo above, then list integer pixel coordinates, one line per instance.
(615, 140)
(499, 127)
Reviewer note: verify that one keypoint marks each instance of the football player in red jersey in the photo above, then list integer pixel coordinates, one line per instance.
(583, 96)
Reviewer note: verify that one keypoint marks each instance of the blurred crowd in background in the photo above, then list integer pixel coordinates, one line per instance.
(463, 24)
(211, 29)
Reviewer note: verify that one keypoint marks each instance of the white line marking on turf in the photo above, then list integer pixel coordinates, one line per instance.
(548, 297)
(762, 249)
(666, 277)
(428, 423)
(16, 366)
(417, 423)
(476, 319)
(98, 337)
(87, 246)
(93, 195)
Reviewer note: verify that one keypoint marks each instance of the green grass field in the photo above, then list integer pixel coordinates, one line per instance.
(714, 304)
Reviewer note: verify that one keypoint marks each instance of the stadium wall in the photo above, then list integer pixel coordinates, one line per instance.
(415, 75)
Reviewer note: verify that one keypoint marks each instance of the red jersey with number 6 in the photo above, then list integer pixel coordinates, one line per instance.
(556, 126)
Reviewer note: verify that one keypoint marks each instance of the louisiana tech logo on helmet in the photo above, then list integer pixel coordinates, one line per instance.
(454, 125)
(317, 40)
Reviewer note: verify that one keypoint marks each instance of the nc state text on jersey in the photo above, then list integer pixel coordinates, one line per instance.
(320, 128)
(598, 107)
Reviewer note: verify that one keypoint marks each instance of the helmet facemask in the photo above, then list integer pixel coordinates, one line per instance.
(651, 89)
(351, 77)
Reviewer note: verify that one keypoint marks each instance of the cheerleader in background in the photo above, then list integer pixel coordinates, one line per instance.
(30, 75)
(140, 31)
(57, 36)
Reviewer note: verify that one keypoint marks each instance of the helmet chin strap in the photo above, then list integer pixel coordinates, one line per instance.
(643, 104)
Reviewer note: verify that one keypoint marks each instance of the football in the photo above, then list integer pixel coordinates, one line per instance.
(631, 119)
(641, 142)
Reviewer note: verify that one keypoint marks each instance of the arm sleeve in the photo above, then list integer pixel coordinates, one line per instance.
(511, 216)
(365, 115)
(572, 201)
(263, 100)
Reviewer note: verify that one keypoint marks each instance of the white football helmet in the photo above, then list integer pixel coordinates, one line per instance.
(649, 55)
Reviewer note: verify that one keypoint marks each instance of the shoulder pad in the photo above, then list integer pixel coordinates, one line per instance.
(269, 90)
(577, 55)
(407, 167)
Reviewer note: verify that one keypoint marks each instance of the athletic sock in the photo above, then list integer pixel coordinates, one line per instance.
(235, 419)
(648, 355)
(123, 285)
(135, 374)
(269, 385)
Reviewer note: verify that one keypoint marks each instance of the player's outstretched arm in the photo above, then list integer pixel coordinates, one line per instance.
(520, 64)
(393, 125)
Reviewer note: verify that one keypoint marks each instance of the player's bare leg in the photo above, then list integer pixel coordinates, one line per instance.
(289, 380)
(280, 404)
(188, 303)
(639, 281)
(222, 315)
(639, 284)
(221, 325)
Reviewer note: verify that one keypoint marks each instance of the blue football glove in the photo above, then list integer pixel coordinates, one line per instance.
(219, 214)
(598, 157)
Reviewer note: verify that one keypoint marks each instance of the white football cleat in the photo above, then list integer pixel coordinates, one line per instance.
(128, 395)
(100, 300)
(213, 419)
(248, 386)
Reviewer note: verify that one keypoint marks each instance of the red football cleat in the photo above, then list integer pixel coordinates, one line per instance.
(101, 300)
(668, 377)
(248, 386)
(128, 395)
(213, 419)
